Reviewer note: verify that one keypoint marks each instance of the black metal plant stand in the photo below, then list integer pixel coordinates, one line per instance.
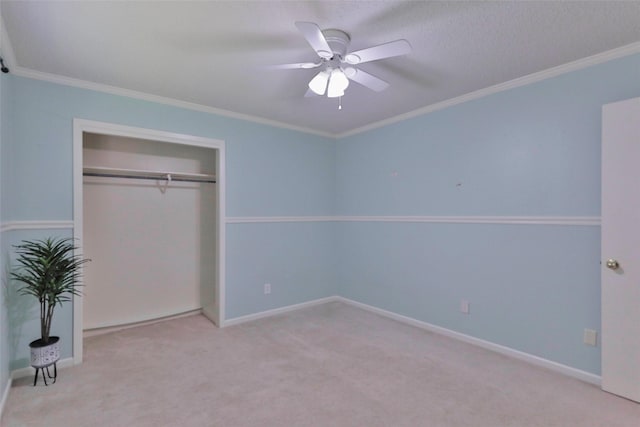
(48, 374)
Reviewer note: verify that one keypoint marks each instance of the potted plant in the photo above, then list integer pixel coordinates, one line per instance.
(49, 270)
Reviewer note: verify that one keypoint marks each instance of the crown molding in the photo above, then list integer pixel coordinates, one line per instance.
(579, 64)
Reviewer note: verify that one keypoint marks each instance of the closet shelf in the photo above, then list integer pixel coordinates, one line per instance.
(145, 174)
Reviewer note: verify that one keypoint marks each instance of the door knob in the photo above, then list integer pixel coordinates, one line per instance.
(613, 264)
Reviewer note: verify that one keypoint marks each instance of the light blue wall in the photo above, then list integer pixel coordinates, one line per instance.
(531, 288)
(270, 171)
(300, 267)
(529, 151)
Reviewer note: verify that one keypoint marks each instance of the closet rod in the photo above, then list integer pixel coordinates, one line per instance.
(142, 174)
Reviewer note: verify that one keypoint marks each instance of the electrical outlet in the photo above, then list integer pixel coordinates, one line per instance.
(267, 288)
(464, 306)
(590, 337)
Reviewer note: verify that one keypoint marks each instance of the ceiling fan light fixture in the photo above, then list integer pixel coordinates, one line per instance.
(319, 83)
(338, 64)
(337, 83)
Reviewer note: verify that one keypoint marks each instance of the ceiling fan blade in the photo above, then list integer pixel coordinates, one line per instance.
(316, 39)
(368, 80)
(386, 50)
(300, 65)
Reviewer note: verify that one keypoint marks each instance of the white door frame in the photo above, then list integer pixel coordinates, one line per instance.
(80, 126)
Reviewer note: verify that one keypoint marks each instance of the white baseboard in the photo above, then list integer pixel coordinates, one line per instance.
(516, 354)
(5, 396)
(28, 371)
(115, 328)
(275, 311)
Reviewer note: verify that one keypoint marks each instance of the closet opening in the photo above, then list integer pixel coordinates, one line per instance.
(148, 212)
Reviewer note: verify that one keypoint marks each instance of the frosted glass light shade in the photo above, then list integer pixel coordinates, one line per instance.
(318, 84)
(337, 83)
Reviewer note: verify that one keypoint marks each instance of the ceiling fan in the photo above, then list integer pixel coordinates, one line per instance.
(338, 66)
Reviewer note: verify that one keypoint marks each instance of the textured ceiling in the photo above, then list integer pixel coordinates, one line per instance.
(216, 53)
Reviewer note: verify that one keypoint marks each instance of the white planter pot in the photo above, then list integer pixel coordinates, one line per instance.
(43, 355)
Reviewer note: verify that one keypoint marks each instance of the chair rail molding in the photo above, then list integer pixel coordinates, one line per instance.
(36, 225)
(506, 220)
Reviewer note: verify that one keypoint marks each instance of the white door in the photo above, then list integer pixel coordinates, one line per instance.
(621, 248)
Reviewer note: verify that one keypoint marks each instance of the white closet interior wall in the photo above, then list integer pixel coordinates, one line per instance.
(152, 251)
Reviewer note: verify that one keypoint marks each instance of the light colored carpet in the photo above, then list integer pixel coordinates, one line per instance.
(329, 365)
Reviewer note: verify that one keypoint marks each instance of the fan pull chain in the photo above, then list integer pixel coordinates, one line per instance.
(339, 103)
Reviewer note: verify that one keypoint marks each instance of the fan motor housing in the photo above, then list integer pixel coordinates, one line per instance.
(338, 41)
